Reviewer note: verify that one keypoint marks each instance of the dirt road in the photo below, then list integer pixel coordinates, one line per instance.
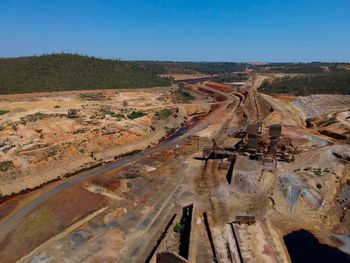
(10, 222)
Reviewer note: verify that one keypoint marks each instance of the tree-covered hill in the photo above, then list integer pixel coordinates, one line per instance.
(58, 72)
(337, 82)
(170, 67)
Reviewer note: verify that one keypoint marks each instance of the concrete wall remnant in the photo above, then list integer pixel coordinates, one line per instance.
(170, 257)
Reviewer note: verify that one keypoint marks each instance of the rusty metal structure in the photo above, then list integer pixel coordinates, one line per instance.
(245, 219)
(255, 145)
(216, 152)
(240, 133)
(275, 132)
(279, 147)
(252, 143)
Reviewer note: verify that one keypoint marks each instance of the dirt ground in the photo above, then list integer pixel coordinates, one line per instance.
(40, 141)
(131, 213)
(184, 76)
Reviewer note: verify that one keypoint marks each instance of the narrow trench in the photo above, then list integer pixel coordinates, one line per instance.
(148, 259)
(230, 171)
(210, 237)
(185, 233)
(229, 252)
(256, 107)
(237, 244)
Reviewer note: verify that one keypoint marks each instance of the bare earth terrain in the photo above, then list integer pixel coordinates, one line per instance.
(214, 190)
(41, 142)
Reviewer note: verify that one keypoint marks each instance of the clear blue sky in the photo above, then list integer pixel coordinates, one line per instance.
(182, 30)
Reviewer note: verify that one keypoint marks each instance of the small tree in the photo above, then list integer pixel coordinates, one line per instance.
(73, 113)
(14, 127)
(125, 103)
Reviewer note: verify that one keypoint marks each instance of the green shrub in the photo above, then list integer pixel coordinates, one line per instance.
(34, 117)
(92, 96)
(163, 114)
(169, 130)
(328, 121)
(183, 95)
(6, 165)
(178, 228)
(105, 110)
(132, 176)
(136, 114)
(2, 112)
(317, 172)
(125, 103)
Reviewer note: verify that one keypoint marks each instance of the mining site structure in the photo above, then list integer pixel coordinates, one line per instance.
(216, 152)
(245, 219)
(253, 145)
(279, 147)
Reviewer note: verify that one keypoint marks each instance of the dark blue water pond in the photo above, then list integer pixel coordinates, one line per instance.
(303, 247)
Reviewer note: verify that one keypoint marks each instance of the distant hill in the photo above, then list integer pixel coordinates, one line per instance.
(336, 82)
(58, 72)
(170, 67)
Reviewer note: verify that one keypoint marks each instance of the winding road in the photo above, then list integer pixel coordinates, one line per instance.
(10, 222)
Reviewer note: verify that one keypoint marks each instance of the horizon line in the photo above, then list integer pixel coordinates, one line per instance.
(173, 61)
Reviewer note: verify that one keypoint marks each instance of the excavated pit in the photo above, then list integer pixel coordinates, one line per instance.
(303, 247)
(210, 236)
(160, 239)
(186, 221)
(230, 172)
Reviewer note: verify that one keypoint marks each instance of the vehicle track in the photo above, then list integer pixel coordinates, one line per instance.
(10, 222)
